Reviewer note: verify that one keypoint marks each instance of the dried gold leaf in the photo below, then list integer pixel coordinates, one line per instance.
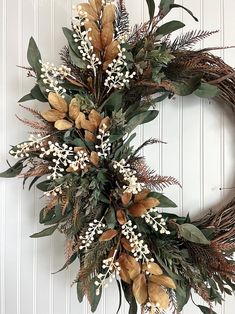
(137, 210)
(150, 202)
(139, 289)
(57, 102)
(158, 295)
(91, 14)
(129, 264)
(107, 34)
(141, 195)
(96, 5)
(153, 268)
(94, 158)
(79, 149)
(125, 276)
(63, 125)
(126, 197)
(163, 280)
(108, 14)
(108, 235)
(94, 34)
(52, 115)
(78, 121)
(90, 137)
(95, 117)
(121, 216)
(126, 244)
(111, 53)
(105, 123)
(88, 125)
(74, 109)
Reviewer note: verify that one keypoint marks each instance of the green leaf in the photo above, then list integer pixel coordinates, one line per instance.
(45, 233)
(165, 202)
(68, 262)
(13, 171)
(188, 86)
(151, 8)
(192, 233)
(187, 10)
(37, 93)
(76, 60)
(34, 56)
(94, 299)
(26, 98)
(113, 103)
(80, 293)
(206, 90)
(182, 296)
(169, 27)
(44, 186)
(110, 218)
(141, 118)
(73, 46)
(206, 310)
(165, 7)
(120, 295)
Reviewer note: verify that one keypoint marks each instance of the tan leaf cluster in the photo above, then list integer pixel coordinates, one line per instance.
(108, 235)
(142, 203)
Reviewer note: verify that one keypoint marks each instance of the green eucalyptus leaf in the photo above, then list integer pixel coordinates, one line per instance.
(188, 86)
(34, 57)
(46, 216)
(80, 293)
(93, 297)
(187, 10)
(68, 262)
(165, 7)
(37, 93)
(73, 46)
(113, 103)
(206, 310)
(141, 118)
(151, 8)
(44, 186)
(45, 233)
(182, 296)
(76, 60)
(191, 233)
(110, 218)
(169, 27)
(206, 90)
(13, 171)
(165, 202)
(26, 98)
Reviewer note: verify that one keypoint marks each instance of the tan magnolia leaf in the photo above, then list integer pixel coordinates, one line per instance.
(105, 123)
(150, 202)
(108, 235)
(126, 197)
(96, 5)
(85, 9)
(62, 125)
(158, 295)
(88, 125)
(107, 34)
(95, 117)
(57, 102)
(163, 280)
(74, 109)
(52, 115)
(126, 244)
(139, 289)
(108, 14)
(137, 210)
(153, 268)
(94, 159)
(79, 149)
(111, 53)
(130, 264)
(90, 137)
(141, 195)
(121, 216)
(125, 276)
(94, 34)
(78, 121)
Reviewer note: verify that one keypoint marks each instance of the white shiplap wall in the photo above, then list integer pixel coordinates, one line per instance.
(199, 153)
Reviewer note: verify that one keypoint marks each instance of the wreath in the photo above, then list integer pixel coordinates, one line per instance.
(99, 191)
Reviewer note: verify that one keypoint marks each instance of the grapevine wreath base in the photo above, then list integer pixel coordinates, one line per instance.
(100, 193)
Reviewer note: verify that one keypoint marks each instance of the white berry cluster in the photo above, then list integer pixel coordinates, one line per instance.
(118, 74)
(35, 142)
(64, 157)
(53, 76)
(105, 146)
(110, 267)
(85, 47)
(129, 176)
(156, 221)
(140, 250)
(96, 227)
(55, 191)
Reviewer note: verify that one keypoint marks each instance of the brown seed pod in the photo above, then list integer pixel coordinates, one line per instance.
(78, 121)
(62, 125)
(74, 109)
(52, 115)
(95, 117)
(88, 125)
(126, 197)
(140, 289)
(57, 102)
(141, 195)
(121, 216)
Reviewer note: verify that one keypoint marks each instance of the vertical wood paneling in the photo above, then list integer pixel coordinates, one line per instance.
(199, 153)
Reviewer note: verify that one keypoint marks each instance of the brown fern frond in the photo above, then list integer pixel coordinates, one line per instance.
(43, 126)
(150, 178)
(189, 39)
(70, 248)
(33, 111)
(37, 171)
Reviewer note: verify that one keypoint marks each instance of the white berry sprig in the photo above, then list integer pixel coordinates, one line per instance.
(95, 228)
(105, 146)
(157, 222)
